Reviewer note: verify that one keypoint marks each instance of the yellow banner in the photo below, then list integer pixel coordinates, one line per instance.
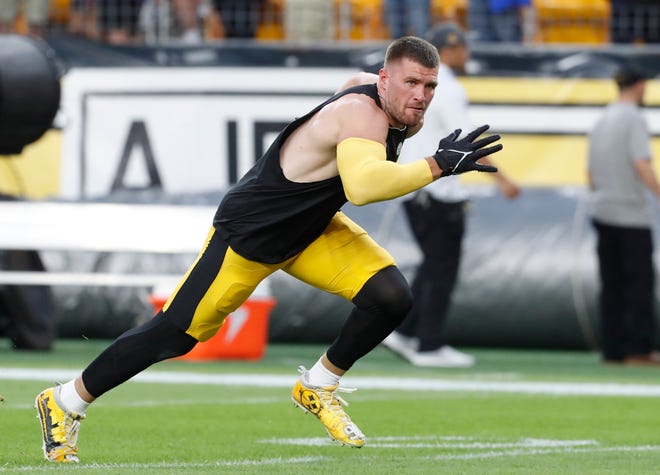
(547, 159)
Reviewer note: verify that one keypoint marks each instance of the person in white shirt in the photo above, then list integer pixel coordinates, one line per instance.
(436, 216)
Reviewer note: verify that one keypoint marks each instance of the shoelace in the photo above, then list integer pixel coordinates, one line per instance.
(330, 397)
(69, 432)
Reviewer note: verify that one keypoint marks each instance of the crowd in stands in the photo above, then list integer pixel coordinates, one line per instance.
(196, 21)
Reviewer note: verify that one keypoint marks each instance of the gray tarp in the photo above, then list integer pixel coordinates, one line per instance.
(528, 277)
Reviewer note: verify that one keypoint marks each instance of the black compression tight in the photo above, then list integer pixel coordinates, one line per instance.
(380, 307)
(133, 352)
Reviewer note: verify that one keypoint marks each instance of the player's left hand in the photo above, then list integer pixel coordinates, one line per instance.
(459, 156)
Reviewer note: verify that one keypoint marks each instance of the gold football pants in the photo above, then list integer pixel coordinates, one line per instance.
(339, 261)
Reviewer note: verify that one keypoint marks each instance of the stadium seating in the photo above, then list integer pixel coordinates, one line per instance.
(558, 21)
(354, 19)
(365, 19)
(59, 11)
(271, 27)
(455, 10)
(573, 21)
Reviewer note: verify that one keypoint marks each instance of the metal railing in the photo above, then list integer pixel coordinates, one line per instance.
(203, 21)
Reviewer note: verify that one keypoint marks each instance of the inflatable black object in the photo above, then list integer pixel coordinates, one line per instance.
(528, 277)
(29, 91)
(26, 311)
(29, 100)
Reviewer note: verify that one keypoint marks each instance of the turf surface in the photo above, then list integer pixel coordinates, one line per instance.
(514, 412)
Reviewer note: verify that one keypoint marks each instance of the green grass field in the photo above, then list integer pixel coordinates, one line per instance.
(530, 412)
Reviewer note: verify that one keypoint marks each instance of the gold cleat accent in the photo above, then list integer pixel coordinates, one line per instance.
(326, 405)
(59, 429)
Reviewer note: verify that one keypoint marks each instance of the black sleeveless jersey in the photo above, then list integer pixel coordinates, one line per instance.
(267, 218)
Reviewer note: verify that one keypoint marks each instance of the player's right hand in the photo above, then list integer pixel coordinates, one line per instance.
(459, 156)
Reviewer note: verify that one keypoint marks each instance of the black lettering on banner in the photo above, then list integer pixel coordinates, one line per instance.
(232, 151)
(137, 137)
(261, 130)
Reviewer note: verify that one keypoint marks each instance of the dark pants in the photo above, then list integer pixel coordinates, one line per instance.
(635, 21)
(240, 18)
(120, 15)
(489, 26)
(438, 228)
(627, 279)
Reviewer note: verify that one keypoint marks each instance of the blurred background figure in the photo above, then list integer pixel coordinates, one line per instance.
(620, 169)
(437, 214)
(309, 20)
(118, 21)
(23, 16)
(501, 20)
(82, 19)
(167, 19)
(115, 22)
(239, 18)
(635, 21)
(408, 17)
(187, 14)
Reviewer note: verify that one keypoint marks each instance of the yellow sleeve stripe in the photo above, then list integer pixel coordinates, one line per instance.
(368, 176)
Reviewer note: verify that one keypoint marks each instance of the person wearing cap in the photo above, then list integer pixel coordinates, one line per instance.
(437, 216)
(620, 172)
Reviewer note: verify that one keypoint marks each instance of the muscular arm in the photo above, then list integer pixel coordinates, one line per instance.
(320, 149)
(359, 79)
(366, 174)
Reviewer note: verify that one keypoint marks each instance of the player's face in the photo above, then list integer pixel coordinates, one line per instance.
(406, 89)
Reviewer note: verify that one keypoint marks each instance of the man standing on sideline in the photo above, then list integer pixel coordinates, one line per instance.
(436, 216)
(620, 171)
(284, 215)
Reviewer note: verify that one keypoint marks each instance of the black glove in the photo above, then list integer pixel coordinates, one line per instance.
(460, 156)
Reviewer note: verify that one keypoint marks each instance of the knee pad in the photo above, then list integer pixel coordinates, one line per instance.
(380, 307)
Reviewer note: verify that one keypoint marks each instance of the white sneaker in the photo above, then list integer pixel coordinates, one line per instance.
(404, 346)
(445, 357)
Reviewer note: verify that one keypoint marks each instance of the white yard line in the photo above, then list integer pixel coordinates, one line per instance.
(174, 465)
(441, 448)
(563, 450)
(472, 449)
(402, 384)
(439, 442)
(167, 402)
(523, 448)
